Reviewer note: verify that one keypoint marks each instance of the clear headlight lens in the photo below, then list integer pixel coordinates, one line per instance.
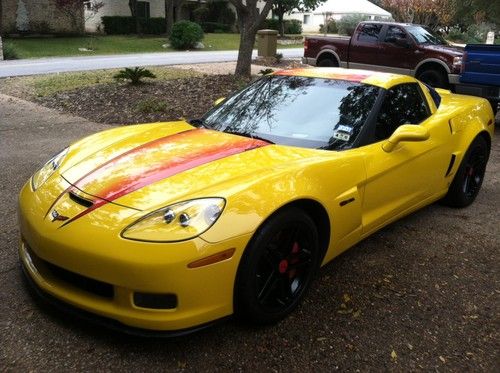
(457, 61)
(48, 169)
(177, 222)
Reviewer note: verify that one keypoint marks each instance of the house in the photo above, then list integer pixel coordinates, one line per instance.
(40, 16)
(145, 9)
(336, 9)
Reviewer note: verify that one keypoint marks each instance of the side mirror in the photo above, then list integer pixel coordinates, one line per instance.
(218, 101)
(406, 132)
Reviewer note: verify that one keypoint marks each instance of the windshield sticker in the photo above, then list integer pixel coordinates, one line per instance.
(343, 132)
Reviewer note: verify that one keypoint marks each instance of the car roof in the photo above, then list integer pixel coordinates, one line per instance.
(379, 79)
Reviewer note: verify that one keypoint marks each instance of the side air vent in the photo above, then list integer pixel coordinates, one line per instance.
(450, 166)
(80, 200)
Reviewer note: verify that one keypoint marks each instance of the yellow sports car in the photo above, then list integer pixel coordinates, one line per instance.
(171, 226)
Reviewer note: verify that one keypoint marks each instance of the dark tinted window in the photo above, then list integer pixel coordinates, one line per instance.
(369, 32)
(298, 111)
(403, 104)
(394, 33)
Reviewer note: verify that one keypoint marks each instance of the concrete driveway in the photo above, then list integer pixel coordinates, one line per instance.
(421, 294)
(64, 64)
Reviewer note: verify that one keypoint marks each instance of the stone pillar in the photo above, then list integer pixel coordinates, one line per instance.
(490, 37)
(266, 43)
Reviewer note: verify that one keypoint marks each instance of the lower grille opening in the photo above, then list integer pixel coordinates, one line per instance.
(155, 301)
(89, 285)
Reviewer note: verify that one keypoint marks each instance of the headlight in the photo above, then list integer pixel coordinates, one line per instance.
(48, 169)
(177, 222)
(457, 61)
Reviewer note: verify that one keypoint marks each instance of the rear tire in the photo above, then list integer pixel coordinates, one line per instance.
(469, 177)
(277, 267)
(327, 62)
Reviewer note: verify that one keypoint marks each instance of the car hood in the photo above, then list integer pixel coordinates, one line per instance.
(151, 169)
(448, 49)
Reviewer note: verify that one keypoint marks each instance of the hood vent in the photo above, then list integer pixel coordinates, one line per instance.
(80, 200)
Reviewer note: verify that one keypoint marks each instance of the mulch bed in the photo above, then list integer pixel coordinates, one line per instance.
(148, 102)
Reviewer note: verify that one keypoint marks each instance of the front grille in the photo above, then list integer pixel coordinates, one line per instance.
(89, 285)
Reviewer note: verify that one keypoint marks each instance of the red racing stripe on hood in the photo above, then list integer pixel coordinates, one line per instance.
(141, 177)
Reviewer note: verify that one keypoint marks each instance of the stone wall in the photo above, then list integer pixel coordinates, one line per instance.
(38, 16)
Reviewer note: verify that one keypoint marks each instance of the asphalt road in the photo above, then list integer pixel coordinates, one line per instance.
(421, 294)
(64, 64)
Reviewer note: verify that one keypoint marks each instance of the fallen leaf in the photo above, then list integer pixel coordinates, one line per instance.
(347, 298)
(394, 355)
(442, 359)
(409, 346)
(356, 313)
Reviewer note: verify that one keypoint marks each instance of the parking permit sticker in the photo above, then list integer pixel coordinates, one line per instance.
(343, 132)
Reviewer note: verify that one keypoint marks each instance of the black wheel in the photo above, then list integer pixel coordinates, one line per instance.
(469, 177)
(277, 267)
(434, 78)
(327, 62)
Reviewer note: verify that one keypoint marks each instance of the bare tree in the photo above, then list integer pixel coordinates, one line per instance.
(74, 10)
(250, 17)
(173, 13)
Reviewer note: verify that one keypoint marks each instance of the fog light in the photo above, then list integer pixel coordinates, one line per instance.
(155, 301)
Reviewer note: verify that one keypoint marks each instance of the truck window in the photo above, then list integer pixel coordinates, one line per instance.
(369, 32)
(394, 33)
(403, 104)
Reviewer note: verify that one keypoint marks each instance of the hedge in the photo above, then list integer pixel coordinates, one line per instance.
(291, 26)
(215, 27)
(115, 25)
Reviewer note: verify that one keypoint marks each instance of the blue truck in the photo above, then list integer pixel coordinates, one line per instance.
(480, 74)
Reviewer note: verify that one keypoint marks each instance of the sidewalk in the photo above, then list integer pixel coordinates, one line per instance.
(65, 64)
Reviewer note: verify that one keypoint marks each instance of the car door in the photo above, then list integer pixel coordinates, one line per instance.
(365, 45)
(413, 172)
(396, 51)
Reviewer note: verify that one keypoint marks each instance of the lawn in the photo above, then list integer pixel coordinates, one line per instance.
(114, 44)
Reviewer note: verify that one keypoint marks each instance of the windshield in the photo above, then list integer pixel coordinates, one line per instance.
(297, 111)
(425, 36)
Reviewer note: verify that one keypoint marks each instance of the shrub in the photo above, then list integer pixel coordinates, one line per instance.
(185, 35)
(279, 57)
(331, 27)
(9, 52)
(134, 75)
(116, 25)
(215, 27)
(291, 26)
(347, 24)
(266, 71)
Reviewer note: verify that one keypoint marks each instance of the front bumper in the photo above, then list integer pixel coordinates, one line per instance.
(97, 254)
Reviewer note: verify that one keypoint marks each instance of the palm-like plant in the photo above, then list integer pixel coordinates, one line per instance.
(134, 75)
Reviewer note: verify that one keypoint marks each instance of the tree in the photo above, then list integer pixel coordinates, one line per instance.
(280, 7)
(250, 17)
(74, 10)
(173, 13)
(431, 13)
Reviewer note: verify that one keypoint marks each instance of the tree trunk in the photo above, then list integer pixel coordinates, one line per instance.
(244, 64)
(178, 10)
(169, 16)
(281, 23)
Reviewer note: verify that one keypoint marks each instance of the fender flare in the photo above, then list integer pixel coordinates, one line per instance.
(329, 51)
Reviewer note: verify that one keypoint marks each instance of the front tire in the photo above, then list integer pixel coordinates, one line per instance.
(434, 78)
(277, 267)
(469, 177)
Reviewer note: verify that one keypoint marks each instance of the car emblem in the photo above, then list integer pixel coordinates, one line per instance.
(57, 216)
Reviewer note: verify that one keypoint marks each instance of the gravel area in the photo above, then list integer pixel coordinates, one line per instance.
(421, 294)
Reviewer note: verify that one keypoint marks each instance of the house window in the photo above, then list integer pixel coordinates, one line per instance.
(143, 9)
(307, 19)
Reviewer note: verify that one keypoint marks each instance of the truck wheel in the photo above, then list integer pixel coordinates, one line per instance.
(434, 78)
(327, 62)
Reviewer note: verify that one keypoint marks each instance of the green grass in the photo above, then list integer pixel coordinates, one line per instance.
(46, 85)
(114, 44)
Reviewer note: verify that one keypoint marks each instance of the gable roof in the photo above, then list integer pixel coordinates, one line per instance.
(351, 7)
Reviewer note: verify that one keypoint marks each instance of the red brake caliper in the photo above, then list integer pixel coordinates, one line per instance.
(294, 259)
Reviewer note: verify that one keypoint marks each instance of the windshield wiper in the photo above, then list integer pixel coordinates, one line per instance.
(250, 135)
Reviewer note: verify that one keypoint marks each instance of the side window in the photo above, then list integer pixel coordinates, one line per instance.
(394, 33)
(369, 32)
(403, 104)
